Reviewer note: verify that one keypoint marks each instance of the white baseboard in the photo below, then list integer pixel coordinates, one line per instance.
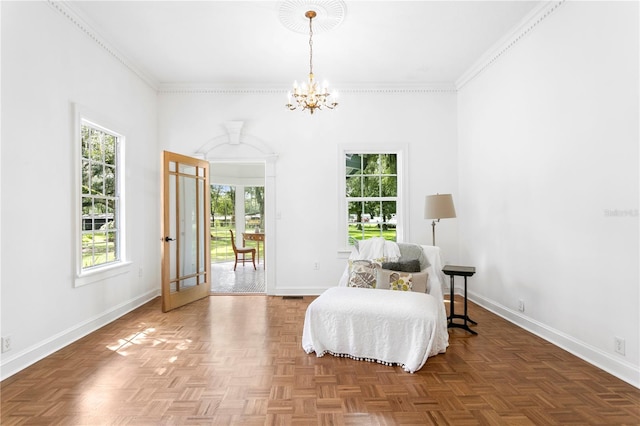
(617, 367)
(10, 365)
(299, 291)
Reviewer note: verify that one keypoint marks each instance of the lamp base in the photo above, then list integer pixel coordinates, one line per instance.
(433, 232)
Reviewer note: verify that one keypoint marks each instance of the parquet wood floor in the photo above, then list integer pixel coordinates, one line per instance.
(228, 360)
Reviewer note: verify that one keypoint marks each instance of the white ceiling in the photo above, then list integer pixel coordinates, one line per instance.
(243, 44)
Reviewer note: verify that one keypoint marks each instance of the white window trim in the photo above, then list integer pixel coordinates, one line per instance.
(402, 152)
(123, 266)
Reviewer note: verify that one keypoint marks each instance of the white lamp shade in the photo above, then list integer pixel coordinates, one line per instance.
(439, 206)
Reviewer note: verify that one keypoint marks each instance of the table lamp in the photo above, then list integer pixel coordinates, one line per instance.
(436, 207)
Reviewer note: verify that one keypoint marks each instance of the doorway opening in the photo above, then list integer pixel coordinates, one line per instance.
(237, 208)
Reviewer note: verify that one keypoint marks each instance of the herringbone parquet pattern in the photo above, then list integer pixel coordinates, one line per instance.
(238, 360)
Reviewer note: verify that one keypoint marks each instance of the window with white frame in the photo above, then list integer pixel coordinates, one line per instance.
(372, 192)
(100, 197)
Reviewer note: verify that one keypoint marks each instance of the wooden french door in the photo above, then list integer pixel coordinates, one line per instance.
(186, 255)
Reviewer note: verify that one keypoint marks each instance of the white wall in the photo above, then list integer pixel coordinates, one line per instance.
(306, 169)
(48, 64)
(548, 146)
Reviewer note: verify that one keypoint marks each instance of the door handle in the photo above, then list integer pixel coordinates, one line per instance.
(167, 239)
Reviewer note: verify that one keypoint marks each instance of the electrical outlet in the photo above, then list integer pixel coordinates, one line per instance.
(618, 345)
(316, 266)
(6, 344)
(521, 305)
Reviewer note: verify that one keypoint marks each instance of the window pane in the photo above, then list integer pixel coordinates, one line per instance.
(354, 186)
(353, 164)
(100, 247)
(86, 177)
(389, 234)
(95, 145)
(110, 181)
(100, 233)
(111, 246)
(109, 214)
(87, 246)
(369, 216)
(355, 209)
(371, 186)
(97, 179)
(371, 210)
(84, 135)
(356, 232)
(388, 211)
(389, 186)
(388, 164)
(109, 149)
(370, 164)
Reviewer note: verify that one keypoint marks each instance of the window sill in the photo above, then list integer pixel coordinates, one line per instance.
(102, 274)
(344, 253)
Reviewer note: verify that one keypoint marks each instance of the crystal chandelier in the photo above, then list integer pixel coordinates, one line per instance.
(311, 96)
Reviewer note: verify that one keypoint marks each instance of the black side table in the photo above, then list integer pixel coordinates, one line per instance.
(461, 271)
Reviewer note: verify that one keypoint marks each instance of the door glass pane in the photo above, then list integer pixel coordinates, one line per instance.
(187, 169)
(172, 247)
(188, 228)
(188, 283)
(202, 215)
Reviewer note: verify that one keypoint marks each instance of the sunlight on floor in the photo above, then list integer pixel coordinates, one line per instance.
(138, 338)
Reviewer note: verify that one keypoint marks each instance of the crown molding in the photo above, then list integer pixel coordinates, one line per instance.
(507, 42)
(66, 9)
(183, 88)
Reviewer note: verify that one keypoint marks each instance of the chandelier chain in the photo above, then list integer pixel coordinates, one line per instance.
(310, 46)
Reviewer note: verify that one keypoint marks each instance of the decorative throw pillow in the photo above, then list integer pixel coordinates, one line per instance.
(412, 265)
(400, 281)
(414, 251)
(362, 273)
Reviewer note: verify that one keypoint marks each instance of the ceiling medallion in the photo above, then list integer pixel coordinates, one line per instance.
(329, 14)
